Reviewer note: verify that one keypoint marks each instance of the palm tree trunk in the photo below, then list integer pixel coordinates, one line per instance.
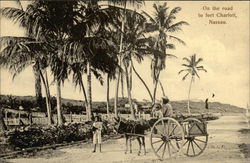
(116, 94)
(47, 97)
(143, 82)
(189, 95)
(156, 84)
(89, 111)
(122, 84)
(130, 77)
(108, 94)
(129, 94)
(120, 51)
(38, 88)
(84, 93)
(162, 89)
(59, 103)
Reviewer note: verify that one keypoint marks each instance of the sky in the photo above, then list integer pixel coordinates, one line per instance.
(223, 47)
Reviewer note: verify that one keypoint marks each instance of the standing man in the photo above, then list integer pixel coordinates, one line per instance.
(206, 103)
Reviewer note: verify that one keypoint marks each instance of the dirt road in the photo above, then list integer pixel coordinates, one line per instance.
(229, 141)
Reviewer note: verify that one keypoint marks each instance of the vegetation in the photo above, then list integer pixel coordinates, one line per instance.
(77, 106)
(163, 22)
(35, 136)
(191, 68)
(88, 38)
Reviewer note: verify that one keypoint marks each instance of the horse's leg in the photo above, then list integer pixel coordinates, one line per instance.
(143, 144)
(126, 137)
(139, 141)
(130, 144)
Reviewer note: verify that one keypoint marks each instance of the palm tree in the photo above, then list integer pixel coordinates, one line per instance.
(38, 89)
(46, 22)
(134, 48)
(98, 44)
(191, 68)
(30, 20)
(21, 52)
(123, 3)
(78, 70)
(111, 35)
(163, 23)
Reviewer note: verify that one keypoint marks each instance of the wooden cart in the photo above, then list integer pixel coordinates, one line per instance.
(170, 137)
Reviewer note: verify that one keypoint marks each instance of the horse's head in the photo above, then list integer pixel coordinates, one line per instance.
(119, 125)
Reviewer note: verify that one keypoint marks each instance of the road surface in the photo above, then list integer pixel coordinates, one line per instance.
(229, 142)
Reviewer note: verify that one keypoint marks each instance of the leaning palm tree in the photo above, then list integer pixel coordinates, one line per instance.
(135, 48)
(163, 23)
(191, 68)
(13, 15)
(47, 22)
(98, 47)
(123, 3)
(19, 53)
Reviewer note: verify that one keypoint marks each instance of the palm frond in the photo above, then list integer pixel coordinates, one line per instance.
(176, 27)
(183, 71)
(98, 76)
(170, 46)
(171, 37)
(136, 3)
(11, 40)
(198, 61)
(185, 76)
(195, 72)
(187, 59)
(202, 69)
(170, 55)
(185, 65)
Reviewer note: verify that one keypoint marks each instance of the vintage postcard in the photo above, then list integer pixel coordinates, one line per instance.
(124, 81)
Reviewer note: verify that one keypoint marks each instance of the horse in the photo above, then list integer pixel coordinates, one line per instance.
(133, 130)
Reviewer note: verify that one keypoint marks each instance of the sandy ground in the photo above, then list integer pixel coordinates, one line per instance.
(229, 142)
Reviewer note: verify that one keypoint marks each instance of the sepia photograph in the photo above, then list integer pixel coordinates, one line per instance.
(124, 81)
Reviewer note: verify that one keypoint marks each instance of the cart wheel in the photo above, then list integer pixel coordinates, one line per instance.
(165, 134)
(196, 137)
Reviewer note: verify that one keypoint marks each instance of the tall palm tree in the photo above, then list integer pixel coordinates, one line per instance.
(34, 20)
(123, 3)
(134, 48)
(163, 23)
(78, 70)
(38, 89)
(98, 44)
(21, 52)
(191, 68)
(111, 35)
(46, 21)
(56, 21)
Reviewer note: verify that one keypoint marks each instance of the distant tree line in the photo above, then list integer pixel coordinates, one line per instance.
(30, 104)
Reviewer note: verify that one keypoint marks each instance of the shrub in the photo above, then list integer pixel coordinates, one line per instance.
(34, 136)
